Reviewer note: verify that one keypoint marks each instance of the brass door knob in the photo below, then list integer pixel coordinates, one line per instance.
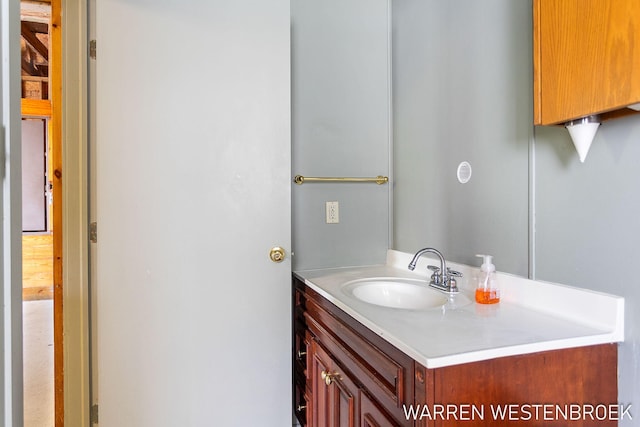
(277, 254)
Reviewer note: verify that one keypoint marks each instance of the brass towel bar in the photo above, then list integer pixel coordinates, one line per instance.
(299, 179)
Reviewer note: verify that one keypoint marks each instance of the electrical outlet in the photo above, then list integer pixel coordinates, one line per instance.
(333, 216)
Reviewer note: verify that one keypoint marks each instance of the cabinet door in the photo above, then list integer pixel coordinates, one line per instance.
(585, 57)
(334, 393)
(320, 363)
(343, 400)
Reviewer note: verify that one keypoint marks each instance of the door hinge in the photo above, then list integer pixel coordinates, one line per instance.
(93, 232)
(92, 49)
(94, 414)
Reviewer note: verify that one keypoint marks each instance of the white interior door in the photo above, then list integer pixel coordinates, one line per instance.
(34, 205)
(193, 190)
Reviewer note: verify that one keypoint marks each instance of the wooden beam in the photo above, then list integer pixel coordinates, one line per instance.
(35, 11)
(34, 79)
(36, 107)
(34, 70)
(37, 27)
(28, 67)
(30, 37)
(55, 139)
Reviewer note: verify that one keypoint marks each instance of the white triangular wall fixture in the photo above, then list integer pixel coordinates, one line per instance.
(582, 132)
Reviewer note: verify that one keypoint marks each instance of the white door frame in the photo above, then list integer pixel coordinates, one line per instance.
(11, 403)
(75, 215)
(75, 263)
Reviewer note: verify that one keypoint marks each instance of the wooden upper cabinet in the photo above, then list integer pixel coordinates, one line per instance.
(586, 57)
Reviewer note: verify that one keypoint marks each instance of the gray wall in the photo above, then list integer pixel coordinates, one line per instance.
(341, 127)
(588, 225)
(462, 91)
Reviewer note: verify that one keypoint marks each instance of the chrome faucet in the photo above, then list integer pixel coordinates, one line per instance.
(442, 277)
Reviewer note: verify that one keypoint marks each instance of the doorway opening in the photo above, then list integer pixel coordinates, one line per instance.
(41, 219)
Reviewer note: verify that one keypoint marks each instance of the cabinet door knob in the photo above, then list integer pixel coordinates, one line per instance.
(301, 408)
(301, 354)
(329, 377)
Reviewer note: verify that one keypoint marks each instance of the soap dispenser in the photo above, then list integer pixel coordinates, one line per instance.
(487, 291)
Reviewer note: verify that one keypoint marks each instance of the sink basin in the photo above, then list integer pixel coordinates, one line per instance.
(407, 294)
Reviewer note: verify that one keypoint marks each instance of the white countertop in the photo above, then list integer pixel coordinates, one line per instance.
(532, 316)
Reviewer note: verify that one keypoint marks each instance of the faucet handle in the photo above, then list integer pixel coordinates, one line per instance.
(453, 272)
(450, 272)
(436, 277)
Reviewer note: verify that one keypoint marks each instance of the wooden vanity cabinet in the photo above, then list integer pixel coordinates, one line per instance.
(350, 376)
(579, 376)
(585, 59)
(353, 377)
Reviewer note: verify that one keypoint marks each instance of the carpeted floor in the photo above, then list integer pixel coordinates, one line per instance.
(38, 363)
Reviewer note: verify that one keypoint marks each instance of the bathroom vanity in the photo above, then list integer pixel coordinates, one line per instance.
(359, 363)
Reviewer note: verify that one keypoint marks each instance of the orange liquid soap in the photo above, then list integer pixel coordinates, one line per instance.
(487, 296)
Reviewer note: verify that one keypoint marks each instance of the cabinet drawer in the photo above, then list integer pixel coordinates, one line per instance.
(299, 350)
(299, 303)
(301, 404)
